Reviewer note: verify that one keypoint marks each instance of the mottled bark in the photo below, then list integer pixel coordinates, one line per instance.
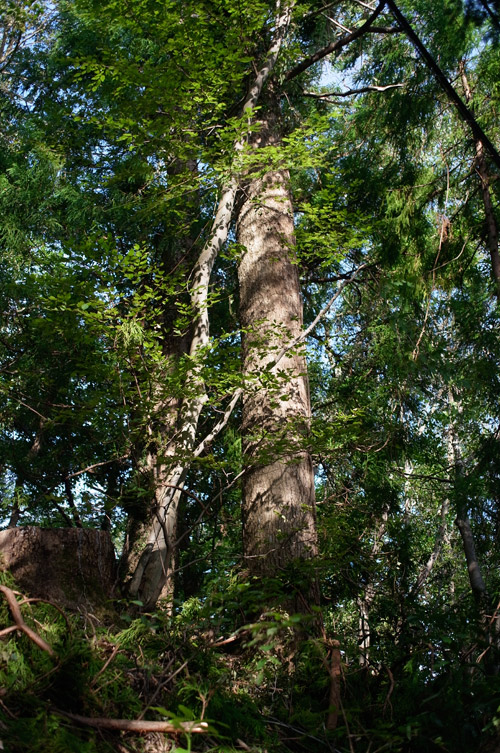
(278, 486)
(151, 571)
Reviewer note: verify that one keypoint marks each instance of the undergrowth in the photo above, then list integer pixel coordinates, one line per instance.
(264, 688)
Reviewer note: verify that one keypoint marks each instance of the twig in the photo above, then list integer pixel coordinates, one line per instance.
(348, 731)
(105, 666)
(301, 732)
(160, 688)
(20, 623)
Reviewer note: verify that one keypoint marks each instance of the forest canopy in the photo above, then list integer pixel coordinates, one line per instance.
(249, 336)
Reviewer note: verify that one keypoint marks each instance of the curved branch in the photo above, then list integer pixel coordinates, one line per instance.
(351, 92)
(20, 623)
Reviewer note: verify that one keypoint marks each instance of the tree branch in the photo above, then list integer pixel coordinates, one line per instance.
(90, 468)
(334, 46)
(443, 82)
(350, 92)
(296, 341)
(135, 725)
(20, 623)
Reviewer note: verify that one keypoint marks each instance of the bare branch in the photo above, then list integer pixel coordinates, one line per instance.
(90, 468)
(135, 725)
(351, 92)
(337, 23)
(20, 623)
(464, 112)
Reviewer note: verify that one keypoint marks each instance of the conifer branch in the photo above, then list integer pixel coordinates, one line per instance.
(464, 112)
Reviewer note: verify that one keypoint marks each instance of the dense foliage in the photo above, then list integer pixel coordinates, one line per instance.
(122, 124)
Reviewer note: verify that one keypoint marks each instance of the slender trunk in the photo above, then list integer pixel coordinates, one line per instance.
(484, 177)
(487, 610)
(365, 601)
(155, 457)
(15, 514)
(278, 487)
(68, 490)
(477, 584)
(364, 604)
(442, 539)
(151, 571)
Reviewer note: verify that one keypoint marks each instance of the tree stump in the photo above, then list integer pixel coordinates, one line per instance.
(73, 567)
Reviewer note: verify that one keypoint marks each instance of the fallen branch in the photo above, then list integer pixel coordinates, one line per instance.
(20, 623)
(135, 725)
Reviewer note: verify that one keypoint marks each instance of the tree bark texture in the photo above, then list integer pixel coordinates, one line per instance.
(145, 543)
(278, 487)
(74, 567)
(151, 572)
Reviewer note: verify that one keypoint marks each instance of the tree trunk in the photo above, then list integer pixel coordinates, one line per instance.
(488, 622)
(477, 584)
(151, 571)
(278, 486)
(484, 176)
(143, 539)
(367, 597)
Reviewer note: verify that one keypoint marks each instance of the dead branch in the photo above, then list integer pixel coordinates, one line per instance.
(20, 623)
(335, 45)
(135, 725)
(91, 468)
(351, 92)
